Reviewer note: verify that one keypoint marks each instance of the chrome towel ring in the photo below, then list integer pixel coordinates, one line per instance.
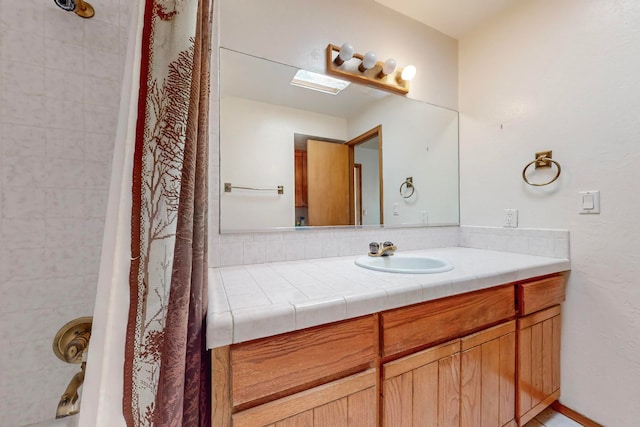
(543, 160)
(407, 186)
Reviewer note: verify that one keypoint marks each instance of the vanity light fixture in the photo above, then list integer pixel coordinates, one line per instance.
(345, 63)
(319, 82)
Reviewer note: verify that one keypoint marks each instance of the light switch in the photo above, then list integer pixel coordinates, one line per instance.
(589, 202)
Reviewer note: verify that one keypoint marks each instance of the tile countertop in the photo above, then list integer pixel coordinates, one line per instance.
(255, 301)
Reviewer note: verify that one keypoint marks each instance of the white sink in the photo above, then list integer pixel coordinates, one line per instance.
(413, 264)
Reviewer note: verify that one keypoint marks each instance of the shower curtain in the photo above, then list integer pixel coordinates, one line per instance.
(147, 363)
(166, 371)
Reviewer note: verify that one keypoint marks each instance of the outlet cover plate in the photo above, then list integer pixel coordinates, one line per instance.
(511, 218)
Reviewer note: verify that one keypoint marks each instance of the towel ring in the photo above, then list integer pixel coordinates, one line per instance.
(409, 185)
(536, 162)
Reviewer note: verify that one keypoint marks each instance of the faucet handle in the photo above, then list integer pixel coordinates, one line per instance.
(374, 247)
(387, 244)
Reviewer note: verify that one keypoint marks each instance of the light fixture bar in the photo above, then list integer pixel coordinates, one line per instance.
(319, 82)
(373, 76)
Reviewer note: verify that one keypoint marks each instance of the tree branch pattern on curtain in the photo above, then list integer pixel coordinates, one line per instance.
(166, 369)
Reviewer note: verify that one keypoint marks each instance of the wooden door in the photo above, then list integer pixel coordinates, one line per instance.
(538, 362)
(300, 163)
(488, 375)
(328, 178)
(349, 402)
(423, 389)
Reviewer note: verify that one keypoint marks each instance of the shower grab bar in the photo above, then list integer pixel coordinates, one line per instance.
(228, 187)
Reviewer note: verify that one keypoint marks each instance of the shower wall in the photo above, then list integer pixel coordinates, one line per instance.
(59, 92)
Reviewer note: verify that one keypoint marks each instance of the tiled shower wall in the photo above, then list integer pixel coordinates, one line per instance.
(59, 92)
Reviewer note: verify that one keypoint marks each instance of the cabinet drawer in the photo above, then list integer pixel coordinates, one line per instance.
(272, 367)
(542, 293)
(417, 326)
(349, 402)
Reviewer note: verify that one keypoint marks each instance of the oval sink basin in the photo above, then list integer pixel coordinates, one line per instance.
(412, 264)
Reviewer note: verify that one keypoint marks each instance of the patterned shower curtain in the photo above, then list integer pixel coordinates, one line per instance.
(166, 372)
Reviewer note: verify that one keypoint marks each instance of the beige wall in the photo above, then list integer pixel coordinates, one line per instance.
(563, 75)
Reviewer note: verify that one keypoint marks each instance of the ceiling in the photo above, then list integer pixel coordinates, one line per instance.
(455, 18)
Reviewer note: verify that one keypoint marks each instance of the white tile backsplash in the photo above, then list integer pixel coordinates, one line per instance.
(542, 242)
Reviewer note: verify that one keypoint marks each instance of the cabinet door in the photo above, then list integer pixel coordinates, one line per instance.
(488, 375)
(423, 389)
(538, 362)
(349, 402)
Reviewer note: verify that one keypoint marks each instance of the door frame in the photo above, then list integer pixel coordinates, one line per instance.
(361, 139)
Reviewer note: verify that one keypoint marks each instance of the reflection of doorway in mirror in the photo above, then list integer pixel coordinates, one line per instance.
(357, 192)
(327, 191)
(366, 150)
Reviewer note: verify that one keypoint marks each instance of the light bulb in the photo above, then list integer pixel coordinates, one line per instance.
(346, 53)
(388, 67)
(368, 61)
(408, 73)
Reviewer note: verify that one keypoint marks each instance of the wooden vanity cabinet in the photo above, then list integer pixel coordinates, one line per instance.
(487, 358)
(467, 382)
(538, 356)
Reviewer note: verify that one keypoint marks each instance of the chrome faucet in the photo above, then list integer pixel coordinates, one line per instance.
(381, 249)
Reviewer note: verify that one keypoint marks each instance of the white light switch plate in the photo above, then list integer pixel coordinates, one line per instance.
(589, 202)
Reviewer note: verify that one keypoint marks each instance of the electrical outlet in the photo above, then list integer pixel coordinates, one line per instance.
(511, 218)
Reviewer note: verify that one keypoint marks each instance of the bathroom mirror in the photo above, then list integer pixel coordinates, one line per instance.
(265, 122)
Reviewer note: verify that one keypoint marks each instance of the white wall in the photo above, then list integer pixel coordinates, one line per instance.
(258, 152)
(59, 93)
(563, 75)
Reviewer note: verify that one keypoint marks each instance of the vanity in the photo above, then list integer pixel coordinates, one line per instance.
(477, 345)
